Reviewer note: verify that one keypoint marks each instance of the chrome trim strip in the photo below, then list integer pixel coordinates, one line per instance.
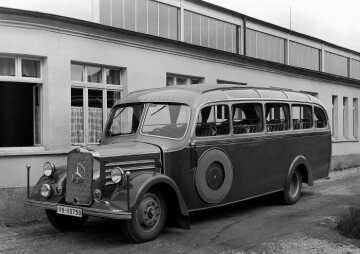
(121, 163)
(133, 168)
(114, 214)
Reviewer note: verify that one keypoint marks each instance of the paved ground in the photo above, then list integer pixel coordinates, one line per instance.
(257, 226)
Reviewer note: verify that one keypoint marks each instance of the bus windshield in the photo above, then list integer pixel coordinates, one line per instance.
(166, 120)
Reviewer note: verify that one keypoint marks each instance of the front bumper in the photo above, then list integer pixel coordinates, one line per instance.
(106, 211)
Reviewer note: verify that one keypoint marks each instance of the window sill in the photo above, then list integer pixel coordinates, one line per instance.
(26, 151)
(352, 140)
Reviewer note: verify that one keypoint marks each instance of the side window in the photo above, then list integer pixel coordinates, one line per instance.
(320, 118)
(301, 116)
(277, 117)
(247, 118)
(213, 121)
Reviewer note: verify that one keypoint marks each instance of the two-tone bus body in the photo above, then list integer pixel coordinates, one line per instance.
(169, 151)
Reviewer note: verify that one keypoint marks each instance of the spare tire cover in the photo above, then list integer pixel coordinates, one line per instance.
(213, 176)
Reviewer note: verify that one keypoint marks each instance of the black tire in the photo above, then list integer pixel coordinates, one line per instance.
(64, 222)
(147, 220)
(292, 191)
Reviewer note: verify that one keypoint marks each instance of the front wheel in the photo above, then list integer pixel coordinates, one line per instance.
(64, 222)
(147, 220)
(291, 193)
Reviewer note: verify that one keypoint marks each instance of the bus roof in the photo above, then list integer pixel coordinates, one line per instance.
(200, 93)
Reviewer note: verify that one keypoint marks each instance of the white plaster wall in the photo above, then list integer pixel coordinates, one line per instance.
(145, 69)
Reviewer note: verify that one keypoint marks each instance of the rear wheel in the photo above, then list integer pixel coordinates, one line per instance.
(292, 191)
(64, 222)
(148, 219)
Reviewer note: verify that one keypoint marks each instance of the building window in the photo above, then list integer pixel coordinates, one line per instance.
(144, 16)
(94, 90)
(209, 32)
(355, 118)
(334, 117)
(176, 80)
(7, 66)
(345, 117)
(20, 102)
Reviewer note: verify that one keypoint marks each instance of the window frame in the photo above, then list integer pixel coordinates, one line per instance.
(312, 116)
(263, 126)
(36, 82)
(212, 104)
(85, 86)
(187, 77)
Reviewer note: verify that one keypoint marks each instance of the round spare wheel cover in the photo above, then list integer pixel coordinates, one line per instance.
(206, 193)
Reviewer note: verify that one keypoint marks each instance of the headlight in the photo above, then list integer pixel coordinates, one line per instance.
(45, 190)
(117, 174)
(49, 169)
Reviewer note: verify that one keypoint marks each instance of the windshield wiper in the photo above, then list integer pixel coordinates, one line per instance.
(158, 110)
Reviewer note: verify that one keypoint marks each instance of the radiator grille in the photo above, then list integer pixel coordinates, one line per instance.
(79, 178)
(132, 166)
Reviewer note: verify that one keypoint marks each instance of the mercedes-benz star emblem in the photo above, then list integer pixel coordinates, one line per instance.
(78, 176)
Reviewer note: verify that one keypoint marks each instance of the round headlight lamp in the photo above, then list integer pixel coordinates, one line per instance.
(49, 169)
(45, 190)
(117, 174)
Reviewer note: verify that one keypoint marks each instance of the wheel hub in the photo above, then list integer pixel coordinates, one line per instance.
(149, 212)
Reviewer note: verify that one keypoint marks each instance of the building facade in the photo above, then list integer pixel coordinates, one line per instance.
(60, 76)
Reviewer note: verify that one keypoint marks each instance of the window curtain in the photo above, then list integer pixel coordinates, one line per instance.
(7, 67)
(30, 68)
(95, 124)
(77, 125)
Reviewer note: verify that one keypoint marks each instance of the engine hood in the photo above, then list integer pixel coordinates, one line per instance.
(123, 149)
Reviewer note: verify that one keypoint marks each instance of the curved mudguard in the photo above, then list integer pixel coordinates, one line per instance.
(139, 184)
(300, 160)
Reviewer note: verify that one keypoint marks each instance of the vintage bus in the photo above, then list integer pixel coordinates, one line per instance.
(170, 151)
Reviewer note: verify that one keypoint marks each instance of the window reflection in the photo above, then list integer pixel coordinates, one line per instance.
(94, 74)
(7, 66)
(30, 68)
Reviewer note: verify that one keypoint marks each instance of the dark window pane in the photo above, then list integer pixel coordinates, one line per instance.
(220, 35)
(7, 66)
(30, 68)
(141, 16)
(105, 12)
(94, 74)
(117, 13)
(187, 27)
(181, 81)
(236, 39)
(195, 81)
(112, 76)
(204, 31)
(112, 97)
(129, 15)
(163, 21)
(153, 18)
(173, 23)
(229, 37)
(212, 31)
(320, 118)
(77, 72)
(95, 115)
(195, 28)
(77, 115)
(16, 114)
(169, 81)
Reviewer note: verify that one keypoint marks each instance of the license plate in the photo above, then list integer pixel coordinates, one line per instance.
(71, 211)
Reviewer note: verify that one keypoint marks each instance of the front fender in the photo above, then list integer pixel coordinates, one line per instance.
(139, 184)
(300, 160)
(58, 179)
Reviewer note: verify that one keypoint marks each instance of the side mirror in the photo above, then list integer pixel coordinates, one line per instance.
(98, 139)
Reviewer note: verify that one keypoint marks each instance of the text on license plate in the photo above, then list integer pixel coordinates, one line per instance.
(66, 210)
